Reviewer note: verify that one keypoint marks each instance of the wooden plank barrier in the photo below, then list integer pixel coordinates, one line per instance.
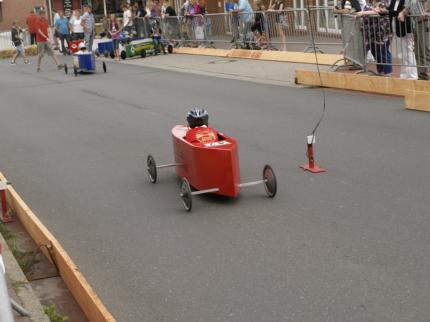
(84, 295)
(416, 92)
(282, 56)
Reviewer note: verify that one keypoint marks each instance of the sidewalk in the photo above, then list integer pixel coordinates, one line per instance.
(20, 289)
(257, 71)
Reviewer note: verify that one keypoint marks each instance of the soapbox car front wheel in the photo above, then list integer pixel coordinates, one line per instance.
(143, 53)
(104, 67)
(186, 195)
(66, 69)
(269, 179)
(151, 168)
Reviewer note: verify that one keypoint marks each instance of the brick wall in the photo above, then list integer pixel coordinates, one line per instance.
(17, 10)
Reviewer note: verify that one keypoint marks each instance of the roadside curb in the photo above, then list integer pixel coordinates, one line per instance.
(14, 274)
(281, 56)
(84, 295)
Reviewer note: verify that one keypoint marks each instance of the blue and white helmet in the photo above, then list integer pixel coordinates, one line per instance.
(197, 117)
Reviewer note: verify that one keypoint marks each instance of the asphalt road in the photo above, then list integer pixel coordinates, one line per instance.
(348, 245)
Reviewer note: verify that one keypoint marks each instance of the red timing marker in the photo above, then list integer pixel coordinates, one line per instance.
(5, 217)
(311, 167)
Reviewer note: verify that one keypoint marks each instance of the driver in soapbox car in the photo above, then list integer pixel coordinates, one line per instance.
(200, 132)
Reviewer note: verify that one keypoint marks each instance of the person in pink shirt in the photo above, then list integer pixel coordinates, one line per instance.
(114, 31)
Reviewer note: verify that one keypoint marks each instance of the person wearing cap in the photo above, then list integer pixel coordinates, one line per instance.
(43, 45)
(87, 21)
(17, 42)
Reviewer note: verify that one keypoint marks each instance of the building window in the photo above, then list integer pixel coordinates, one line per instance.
(325, 19)
(1, 12)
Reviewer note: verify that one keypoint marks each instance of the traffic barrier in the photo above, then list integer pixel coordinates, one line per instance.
(84, 295)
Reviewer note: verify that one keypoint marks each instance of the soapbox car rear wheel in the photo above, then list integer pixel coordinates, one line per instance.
(66, 69)
(123, 55)
(186, 196)
(104, 67)
(170, 49)
(143, 53)
(151, 168)
(75, 70)
(269, 181)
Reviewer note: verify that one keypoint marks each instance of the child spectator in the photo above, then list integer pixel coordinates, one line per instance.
(17, 42)
(114, 31)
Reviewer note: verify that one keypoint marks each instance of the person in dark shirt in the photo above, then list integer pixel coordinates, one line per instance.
(348, 7)
(17, 42)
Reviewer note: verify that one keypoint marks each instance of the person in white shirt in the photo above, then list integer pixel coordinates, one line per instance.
(76, 28)
(127, 19)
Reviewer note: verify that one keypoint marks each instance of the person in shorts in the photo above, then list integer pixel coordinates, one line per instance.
(42, 39)
(114, 31)
(17, 43)
(87, 21)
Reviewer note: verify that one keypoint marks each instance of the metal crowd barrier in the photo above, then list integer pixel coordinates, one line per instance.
(288, 29)
(6, 39)
(385, 42)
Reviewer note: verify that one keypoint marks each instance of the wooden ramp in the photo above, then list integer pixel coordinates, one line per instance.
(282, 56)
(416, 92)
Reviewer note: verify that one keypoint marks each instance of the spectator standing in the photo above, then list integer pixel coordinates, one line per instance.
(62, 26)
(187, 20)
(171, 31)
(32, 29)
(56, 33)
(245, 12)
(377, 31)
(87, 21)
(17, 43)
(42, 39)
(281, 21)
(234, 20)
(404, 40)
(114, 31)
(140, 20)
(198, 20)
(259, 17)
(75, 26)
(418, 9)
(127, 18)
(348, 7)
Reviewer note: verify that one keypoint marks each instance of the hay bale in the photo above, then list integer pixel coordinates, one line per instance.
(8, 53)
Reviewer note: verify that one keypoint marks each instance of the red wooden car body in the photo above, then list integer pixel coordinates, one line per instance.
(207, 166)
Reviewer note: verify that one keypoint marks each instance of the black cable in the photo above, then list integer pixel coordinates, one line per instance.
(319, 71)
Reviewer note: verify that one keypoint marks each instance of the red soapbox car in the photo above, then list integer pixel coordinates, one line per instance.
(208, 167)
